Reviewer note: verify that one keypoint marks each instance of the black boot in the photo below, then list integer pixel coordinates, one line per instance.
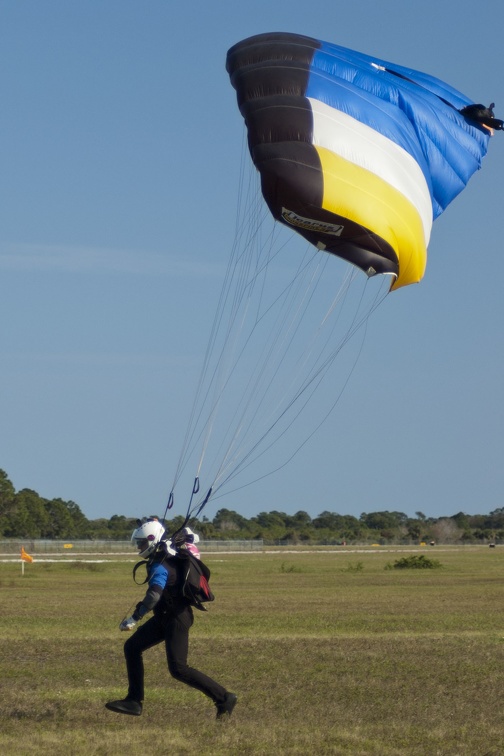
(125, 706)
(227, 706)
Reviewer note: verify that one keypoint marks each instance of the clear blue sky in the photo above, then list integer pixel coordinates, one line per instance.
(120, 151)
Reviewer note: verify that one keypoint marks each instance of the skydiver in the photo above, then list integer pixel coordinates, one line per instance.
(171, 621)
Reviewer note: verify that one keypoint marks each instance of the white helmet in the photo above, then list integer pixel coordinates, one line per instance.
(147, 536)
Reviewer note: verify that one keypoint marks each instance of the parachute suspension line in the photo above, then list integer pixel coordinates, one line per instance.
(287, 460)
(351, 274)
(245, 304)
(231, 464)
(195, 511)
(247, 460)
(238, 269)
(191, 422)
(252, 388)
(286, 326)
(192, 511)
(235, 362)
(302, 444)
(247, 393)
(357, 324)
(198, 402)
(277, 412)
(245, 283)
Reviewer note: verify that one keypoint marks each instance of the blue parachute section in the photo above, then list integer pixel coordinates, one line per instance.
(417, 111)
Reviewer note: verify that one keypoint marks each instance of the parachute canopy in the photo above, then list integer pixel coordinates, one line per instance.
(356, 154)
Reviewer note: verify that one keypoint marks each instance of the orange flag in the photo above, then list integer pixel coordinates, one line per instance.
(24, 556)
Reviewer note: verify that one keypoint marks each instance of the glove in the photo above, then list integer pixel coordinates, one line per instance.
(127, 624)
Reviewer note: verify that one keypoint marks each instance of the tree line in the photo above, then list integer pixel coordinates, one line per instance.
(25, 514)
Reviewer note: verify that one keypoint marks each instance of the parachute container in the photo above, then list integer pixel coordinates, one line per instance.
(356, 154)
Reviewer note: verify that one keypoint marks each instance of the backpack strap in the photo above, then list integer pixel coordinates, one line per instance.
(135, 568)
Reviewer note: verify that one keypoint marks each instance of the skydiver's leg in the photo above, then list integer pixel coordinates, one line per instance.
(147, 635)
(177, 647)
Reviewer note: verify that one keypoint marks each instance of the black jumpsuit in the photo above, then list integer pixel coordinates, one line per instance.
(173, 617)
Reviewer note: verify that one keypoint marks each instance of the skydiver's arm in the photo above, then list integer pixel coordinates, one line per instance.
(158, 577)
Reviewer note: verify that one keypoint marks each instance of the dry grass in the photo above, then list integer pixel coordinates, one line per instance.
(325, 659)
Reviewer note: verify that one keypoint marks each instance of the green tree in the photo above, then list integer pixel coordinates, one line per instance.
(271, 519)
(204, 528)
(30, 518)
(271, 525)
(120, 527)
(329, 521)
(299, 521)
(80, 521)
(7, 495)
(227, 519)
(384, 520)
(60, 522)
(414, 529)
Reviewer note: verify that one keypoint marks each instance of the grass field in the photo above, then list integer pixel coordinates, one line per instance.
(330, 653)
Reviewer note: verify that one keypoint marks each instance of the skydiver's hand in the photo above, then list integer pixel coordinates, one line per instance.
(127, 624)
